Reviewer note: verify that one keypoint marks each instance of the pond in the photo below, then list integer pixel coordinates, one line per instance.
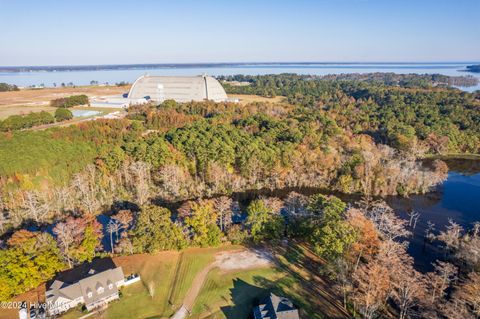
(458, 199)
(85, 113)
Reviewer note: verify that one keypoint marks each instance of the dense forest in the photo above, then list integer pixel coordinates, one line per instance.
(445, 120)
(350, 136)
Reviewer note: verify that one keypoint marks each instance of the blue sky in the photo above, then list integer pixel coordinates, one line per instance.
(182, 31)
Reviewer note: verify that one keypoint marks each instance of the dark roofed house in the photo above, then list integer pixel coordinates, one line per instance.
(275, 307)
(94, 288)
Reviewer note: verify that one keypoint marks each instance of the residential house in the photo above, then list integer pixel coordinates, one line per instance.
(95, 288)
(275, 307)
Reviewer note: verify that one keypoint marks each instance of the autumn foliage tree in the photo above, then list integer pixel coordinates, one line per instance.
(78, 238)
(29, 259)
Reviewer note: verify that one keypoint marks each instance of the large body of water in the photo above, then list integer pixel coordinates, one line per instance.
(114, 76)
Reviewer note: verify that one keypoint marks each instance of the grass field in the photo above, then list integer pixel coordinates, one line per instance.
(169, 273)
(231, 295)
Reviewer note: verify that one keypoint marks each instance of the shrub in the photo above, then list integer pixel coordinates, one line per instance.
(70, 101)
(62, 114)
(19, 122)
(4, 87)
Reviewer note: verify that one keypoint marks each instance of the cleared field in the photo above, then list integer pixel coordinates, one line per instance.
(8, 110)
(36, 100)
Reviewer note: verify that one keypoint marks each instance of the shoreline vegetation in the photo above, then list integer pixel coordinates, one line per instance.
(351, 135)
(473, 68)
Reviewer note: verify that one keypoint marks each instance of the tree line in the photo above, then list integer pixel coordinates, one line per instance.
(20, 122)
(5, 87)
(70, 101)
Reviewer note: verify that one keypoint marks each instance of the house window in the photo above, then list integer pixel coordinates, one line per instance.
(110, 286)
(100, 290)
(89, 294)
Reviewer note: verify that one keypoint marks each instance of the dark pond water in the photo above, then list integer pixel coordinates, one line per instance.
(458, 198)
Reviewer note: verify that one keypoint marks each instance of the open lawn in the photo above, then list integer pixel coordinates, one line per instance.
(168, 275)
(232, 294)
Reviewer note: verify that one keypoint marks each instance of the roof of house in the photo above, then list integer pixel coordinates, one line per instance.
(99, 283)
(275, 307)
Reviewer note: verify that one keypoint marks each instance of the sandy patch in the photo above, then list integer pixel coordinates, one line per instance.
(243, 259)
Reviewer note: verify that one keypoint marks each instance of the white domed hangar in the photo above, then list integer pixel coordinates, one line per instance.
(178, 88)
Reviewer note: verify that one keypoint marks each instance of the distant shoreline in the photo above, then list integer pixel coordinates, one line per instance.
(106, 67)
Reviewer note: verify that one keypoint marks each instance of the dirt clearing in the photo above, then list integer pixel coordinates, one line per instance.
(231, 260)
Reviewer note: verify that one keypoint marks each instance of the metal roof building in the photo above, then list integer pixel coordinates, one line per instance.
(178, 88)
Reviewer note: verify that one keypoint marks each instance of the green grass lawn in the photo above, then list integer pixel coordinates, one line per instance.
(171, 275)
(136, 301)
(231, 295)
(190, 264)
(224, 295)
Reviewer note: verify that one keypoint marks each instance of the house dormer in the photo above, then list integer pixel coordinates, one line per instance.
(89, 293)
(99, 288)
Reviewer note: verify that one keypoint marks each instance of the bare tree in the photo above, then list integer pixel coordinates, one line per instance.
(468, 293)
(142, 181)
(451, 236)
(223, 205)
(63, 199)
(67, 233)
(124, 246)
(113, 227)
(35, 206)
(372, 285)
(85, 186)
(409, 286)
(274, 204)
(430, 231)
(296, 204)
(387, 222)
(413, 218)
(125, 218)
(440, 279)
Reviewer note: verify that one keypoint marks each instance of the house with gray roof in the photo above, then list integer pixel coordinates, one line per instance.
(95, 288)
(275, 307)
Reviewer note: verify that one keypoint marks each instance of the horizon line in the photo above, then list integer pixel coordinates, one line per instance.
(235, 63)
